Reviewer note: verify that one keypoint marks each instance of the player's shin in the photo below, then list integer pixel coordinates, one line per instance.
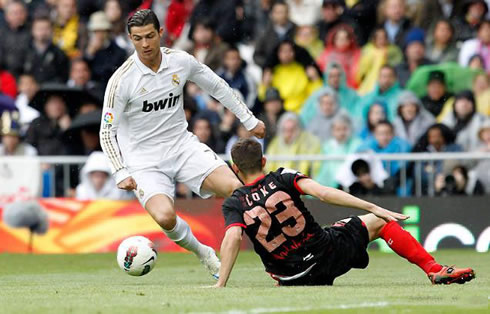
(182, 235)
(407, 247)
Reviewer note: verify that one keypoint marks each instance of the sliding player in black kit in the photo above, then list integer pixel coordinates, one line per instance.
(294, 249)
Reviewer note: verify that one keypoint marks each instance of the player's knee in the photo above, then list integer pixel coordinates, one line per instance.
(166, 219)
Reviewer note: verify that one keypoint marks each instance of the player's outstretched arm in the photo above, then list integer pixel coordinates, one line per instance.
(230, 247)
(210, 82)
(341, 198)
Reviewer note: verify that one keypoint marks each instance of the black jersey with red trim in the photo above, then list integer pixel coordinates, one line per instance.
(274, 217)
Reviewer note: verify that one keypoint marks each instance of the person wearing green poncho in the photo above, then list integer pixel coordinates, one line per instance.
(341, 143)
(335, 78)
(292, 140)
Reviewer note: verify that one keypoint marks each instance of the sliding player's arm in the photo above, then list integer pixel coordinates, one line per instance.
(114, 104)
(341, 198)
(209, 81)
(230, 247)
(233, 237)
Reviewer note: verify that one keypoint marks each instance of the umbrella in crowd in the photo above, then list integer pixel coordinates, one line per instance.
(26, 214)
(74, 97)
(88, 123)
(457, 78)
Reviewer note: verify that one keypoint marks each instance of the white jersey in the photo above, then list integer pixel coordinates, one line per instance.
(143, 119)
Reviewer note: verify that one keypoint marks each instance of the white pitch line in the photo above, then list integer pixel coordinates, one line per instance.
(300, 309)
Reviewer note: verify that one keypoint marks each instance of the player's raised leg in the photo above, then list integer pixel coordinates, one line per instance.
(405, 245)
(222, 182)
(161, 208)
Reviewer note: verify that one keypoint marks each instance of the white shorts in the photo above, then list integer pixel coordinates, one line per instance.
(190, 165)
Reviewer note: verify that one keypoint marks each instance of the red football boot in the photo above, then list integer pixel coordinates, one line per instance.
(449, 274)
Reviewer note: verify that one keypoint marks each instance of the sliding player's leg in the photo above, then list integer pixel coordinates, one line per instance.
(161, 208)
(405, 245)
(222, 182)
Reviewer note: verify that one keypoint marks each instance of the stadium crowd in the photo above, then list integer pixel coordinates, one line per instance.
(332, 77)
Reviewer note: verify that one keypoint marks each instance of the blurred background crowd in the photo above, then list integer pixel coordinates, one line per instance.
(330, 77)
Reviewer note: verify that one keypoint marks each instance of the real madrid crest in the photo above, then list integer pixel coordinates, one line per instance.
(175, 80)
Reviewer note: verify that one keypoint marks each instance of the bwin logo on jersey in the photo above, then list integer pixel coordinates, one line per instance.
(169, 102)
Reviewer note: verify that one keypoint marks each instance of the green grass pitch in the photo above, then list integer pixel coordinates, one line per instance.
(94, 284)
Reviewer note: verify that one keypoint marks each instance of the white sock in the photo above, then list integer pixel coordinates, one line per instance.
(182, 235)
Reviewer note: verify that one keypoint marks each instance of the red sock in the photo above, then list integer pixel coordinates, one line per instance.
(407, 247)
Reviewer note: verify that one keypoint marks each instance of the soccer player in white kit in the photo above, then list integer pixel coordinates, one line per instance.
(144, 131)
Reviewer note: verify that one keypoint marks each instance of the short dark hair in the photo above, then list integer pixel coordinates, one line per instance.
(360, 167)
(389, 67)
(142, 18)
(247, 155)
(385, 122)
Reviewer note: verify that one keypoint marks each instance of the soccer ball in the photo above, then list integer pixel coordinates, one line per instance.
(136, 256)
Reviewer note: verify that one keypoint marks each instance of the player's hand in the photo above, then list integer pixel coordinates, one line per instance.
(388, 215)
(259, 130)
(128, 184)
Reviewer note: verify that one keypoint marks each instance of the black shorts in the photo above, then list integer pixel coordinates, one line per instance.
(349, 239)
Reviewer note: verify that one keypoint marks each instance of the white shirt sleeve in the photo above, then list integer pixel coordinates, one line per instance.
(210, 82)
(114, 105)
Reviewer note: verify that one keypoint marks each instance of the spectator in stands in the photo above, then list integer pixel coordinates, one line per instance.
(257, 17)
(8, 85)
(284, 64)
(482, 169)
(228, 14)
(385, 141)
(477, 46)
(440, 45)
(279, 28)
(375, 113)
(472, 15)
(206, 46)
(203, 129)
(395, 22)
(342, 142)
(96, 181)
(45, 132)
(378, 52)
(80, 76)
(387, 89)
(335, 79)
(414, 55)
(69, 33)
(233, 72)
(481, 90)
(464, 120)
(364, 185)
(306, 36)
(177, 14)
(11, 144)
(292, 140)
(28, 87)
(114, 13)
(437, 139)
(102, 53)
(45, 61)
(435, 10)
(476, 63)
(239, 133)
(304, 12)
(364, 13)
(412, 119)
(341, 48)
(459, 182)
(437, 94)
(327, 112)
(334, 14)
(273, 109)
(15, 37)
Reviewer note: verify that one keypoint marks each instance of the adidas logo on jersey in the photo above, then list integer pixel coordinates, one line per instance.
(161, 104)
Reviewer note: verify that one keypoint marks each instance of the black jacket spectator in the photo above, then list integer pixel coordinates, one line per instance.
(105, 62)
(15, 38)
(46, 136)
(335, 13)
(51, 65)
(431, 11)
